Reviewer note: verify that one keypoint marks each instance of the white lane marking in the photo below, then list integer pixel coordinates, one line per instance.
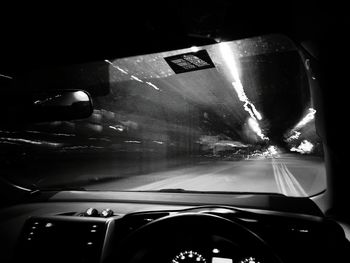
(286, 182)
(285, 187)
(177, 181)
(295, 182)
(277, 179)
(292, 190)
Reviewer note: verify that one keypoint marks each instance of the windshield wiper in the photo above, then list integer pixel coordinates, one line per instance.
(181, 190)
(62, 189)
(174, 190)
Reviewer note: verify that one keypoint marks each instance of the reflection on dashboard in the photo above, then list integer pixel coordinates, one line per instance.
(232, 235)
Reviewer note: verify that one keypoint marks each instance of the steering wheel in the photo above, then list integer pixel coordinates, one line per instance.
(168, 239)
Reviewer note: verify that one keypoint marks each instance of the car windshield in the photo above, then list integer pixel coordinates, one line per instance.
(228, 117)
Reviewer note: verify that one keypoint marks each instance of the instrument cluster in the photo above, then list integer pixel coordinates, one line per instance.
(192, 256)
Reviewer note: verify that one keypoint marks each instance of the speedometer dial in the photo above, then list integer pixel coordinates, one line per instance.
(188, 257)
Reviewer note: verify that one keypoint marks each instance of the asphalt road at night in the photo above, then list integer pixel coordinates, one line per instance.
(290, 175)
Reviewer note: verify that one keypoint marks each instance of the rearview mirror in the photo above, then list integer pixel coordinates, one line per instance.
(61, 105)
(52, 105)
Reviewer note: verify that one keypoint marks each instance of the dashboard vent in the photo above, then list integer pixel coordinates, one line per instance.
(61, 239)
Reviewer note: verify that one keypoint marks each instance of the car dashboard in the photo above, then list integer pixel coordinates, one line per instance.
(88, 226)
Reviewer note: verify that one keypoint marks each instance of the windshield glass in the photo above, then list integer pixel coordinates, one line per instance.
(229, 117)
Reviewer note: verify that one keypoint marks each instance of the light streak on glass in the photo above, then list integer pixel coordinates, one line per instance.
(116, 67)
(56, 134)
(272, 149)
(9, 132)
(309, 117)
(5, 76)
(47, 99)
(295, 136)
(82, 147)
(253, 112)
(117, 128)
(240, 91)
(152, 85)
(249, 107)
(132, 76)
(31, 141)
(132, 141)
(237, 84)
(10, 143)
(226, 54)
(136, 78)
(257, 114)
(231, 144)
(304, 147)
(254, 125)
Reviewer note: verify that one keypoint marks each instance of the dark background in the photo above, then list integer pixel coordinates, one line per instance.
(48, 35)
(37, 36)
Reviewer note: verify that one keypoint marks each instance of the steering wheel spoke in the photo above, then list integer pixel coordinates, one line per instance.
(192, 237)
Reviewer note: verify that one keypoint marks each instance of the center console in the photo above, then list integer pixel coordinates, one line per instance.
(60, 239)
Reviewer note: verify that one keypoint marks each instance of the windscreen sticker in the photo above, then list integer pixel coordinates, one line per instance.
(190, 61)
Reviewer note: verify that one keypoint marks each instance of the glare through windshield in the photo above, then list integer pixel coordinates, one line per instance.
(230, 117)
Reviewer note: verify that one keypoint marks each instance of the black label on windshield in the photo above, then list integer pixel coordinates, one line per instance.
(190, 61)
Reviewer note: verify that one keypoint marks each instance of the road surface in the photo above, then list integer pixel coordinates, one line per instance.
(290, 175)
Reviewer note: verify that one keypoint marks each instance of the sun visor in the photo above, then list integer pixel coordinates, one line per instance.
(92, 77)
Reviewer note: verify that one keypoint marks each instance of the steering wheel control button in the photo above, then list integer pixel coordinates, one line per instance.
(91, 212)
(107, 212)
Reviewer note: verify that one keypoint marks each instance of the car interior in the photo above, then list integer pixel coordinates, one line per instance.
(175, 132)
